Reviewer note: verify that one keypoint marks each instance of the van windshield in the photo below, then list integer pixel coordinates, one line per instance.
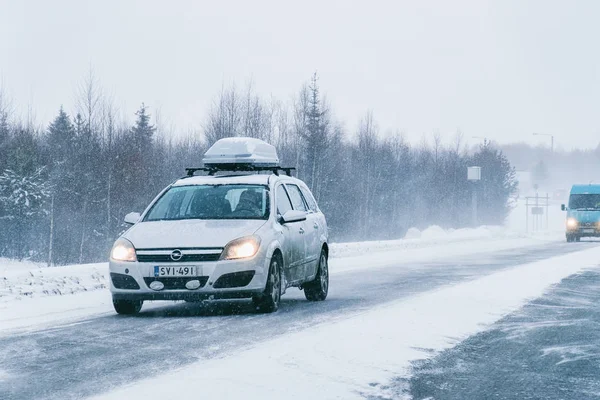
(211, 202)
(584, 202)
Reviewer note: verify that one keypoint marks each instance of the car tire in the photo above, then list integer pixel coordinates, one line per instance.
(317, 289)
(127, 307)
(269, 300)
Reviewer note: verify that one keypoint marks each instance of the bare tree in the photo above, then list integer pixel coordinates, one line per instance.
(89, 101)
(224, 117)
(367, 150)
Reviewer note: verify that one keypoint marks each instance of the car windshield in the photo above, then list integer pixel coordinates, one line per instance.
(584, 201)
(211, 202)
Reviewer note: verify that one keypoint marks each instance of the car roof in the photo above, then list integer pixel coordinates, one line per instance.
(585, 189)
(249, 179)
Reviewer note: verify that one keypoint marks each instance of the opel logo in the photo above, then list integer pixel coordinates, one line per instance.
(176, 255)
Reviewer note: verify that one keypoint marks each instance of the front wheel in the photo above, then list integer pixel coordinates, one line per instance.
(268, 301)
(127, 307)
(317, 289)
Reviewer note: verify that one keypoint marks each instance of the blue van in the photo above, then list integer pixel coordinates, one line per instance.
(583, 212)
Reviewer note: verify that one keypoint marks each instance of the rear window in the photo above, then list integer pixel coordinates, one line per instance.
(310, 200)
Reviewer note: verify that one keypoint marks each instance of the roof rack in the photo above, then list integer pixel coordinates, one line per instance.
(239, 167)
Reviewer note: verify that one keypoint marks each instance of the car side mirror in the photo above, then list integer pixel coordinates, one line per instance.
(292, 216)
(563, 207)
(132, 218)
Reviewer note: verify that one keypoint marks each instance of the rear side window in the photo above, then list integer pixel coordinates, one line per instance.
(283, 201)
(310, 200)
(296, 197)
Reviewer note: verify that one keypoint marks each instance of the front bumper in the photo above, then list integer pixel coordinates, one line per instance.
(230, 279)
(584, 231)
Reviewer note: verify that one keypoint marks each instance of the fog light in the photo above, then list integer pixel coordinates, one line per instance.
(191, 285)
(157, 285)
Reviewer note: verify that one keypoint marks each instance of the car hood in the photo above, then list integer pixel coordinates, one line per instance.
(189, 233)
(585, 217)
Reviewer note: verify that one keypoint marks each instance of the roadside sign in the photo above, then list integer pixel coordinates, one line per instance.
(537, 210)
(474, 173)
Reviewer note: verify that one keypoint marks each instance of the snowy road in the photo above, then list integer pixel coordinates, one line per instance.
(98, 354)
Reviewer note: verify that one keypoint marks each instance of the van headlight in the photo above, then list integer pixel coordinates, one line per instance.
(123, 250)
(245, 247)
(572, 223)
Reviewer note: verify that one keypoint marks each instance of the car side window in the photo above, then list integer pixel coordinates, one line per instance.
(310, 199)
(296, 197)
(283, 201)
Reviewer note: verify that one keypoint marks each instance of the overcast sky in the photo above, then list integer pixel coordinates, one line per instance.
(499, 69)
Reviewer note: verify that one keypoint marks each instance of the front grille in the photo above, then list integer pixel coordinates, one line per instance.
(166, 258)
(235, 279)
(177, 283)
(121, 281)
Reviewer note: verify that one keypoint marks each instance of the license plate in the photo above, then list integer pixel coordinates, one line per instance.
(177, 271)
(589, 230)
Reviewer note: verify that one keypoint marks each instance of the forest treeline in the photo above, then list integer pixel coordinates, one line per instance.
(65, 187)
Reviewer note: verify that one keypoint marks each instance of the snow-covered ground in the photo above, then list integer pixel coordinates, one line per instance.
(24, 280)
(358, 356)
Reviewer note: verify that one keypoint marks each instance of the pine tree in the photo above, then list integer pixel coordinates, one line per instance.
(61, 137)
(315, 134)
(142, 132)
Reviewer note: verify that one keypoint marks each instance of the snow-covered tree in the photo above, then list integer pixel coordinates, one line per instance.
(23, 201)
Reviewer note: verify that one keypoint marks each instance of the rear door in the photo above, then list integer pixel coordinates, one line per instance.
(318, 228)
(293, 238)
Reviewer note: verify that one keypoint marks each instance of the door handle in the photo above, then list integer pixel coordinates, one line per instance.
(301, 231)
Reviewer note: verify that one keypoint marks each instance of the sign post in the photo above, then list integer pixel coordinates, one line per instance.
(536, 206)
(474, 176)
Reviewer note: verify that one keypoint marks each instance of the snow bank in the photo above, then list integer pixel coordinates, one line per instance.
(24, 280)
(358, 356)
(415, 238)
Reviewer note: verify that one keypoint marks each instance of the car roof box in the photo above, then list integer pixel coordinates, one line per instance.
(241, 151)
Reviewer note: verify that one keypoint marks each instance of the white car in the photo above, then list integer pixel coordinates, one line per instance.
(227, 235)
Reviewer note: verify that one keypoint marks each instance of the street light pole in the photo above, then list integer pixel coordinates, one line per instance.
(551, 139)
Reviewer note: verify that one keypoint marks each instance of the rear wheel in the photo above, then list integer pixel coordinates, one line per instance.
(317, 289)
(127, 307)
(268, 301)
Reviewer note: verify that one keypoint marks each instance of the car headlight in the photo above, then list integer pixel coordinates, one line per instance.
(123, 250)
(572, 223)
(245, 247)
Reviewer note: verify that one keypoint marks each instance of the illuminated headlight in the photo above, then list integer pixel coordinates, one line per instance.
(245, 247)
(123, 250)
(572, 223)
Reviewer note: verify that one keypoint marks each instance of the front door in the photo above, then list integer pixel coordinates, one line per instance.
(294, 249)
